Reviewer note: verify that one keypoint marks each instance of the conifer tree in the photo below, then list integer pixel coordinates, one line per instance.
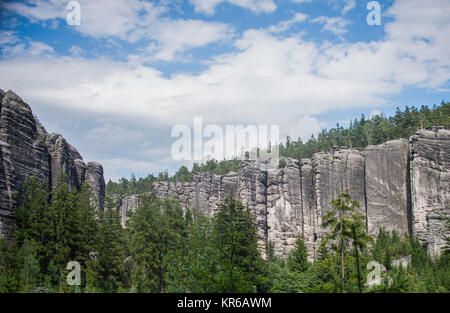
(29, 272)
(32, 217)
(111, 251)
(236, 239)
(298, 257)
(346, 226)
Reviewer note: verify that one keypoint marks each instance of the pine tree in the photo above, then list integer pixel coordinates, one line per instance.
(86, 229)
(235, 237)
(110, 266)
(157, 229)
(29, 272)
(298, 257)
(62, 220)
(32, 217)
(345, 227)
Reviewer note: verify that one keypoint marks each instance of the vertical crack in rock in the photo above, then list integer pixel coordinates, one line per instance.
(409, 207)
(341, 170)
(365, 196)
(430, 186)
(309, 206)
(266, 214)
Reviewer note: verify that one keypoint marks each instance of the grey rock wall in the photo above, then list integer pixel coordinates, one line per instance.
(285, 216)
(387, 169)
(400, 185)
(26, 149)
(94, 177)
(336, 172)
(430, 186)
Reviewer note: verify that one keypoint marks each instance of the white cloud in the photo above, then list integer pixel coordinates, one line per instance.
(375, 113)
(130, 20)
(111, 134)
(266, 79)
(37, 48)
(25, 48)
(268, 76)
(38, 10)
(178, 36)
(336, 25)
(8, 37)
(301, 1)
(348, 6)
(100, 18)
(76, 50)
(304, 128)
(205, 6)
(120, 167)
(344, 6)
(257, 6)
(285, 25)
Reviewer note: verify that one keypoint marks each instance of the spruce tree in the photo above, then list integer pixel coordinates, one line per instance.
(29, 272)
(235, 237)
(298, 257)
(346, 226)
(62, 220)
(110, 266)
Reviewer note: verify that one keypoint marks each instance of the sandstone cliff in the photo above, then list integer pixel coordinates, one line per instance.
(400, 185)
(26, 149)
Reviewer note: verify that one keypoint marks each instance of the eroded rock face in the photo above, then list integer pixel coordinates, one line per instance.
(94, 177)
(26, 149)
(65, 158)
(387, 186)
(127, 204)
(430, 186)
(310, 226)
(252, 191)
(400, 185)
(291, 207)
(334, 173)
(203, 194)
(24, 153)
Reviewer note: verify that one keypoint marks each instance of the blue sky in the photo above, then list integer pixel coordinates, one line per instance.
(116, 84)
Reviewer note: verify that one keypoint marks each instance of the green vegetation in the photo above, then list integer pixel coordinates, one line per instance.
(166, 249)
(373, 131)
(361, 133)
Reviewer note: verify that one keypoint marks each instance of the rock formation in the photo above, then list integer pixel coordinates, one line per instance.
(430, 186)
(26, 149)
(400, 185)
(387, 186)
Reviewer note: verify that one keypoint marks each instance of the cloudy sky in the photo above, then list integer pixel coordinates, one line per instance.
(116, 84)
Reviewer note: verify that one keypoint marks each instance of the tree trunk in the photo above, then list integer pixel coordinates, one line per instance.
(342, 252)
(358, 272)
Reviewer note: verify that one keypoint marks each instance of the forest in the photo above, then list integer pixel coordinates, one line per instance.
(360, 133)
(164, 249)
